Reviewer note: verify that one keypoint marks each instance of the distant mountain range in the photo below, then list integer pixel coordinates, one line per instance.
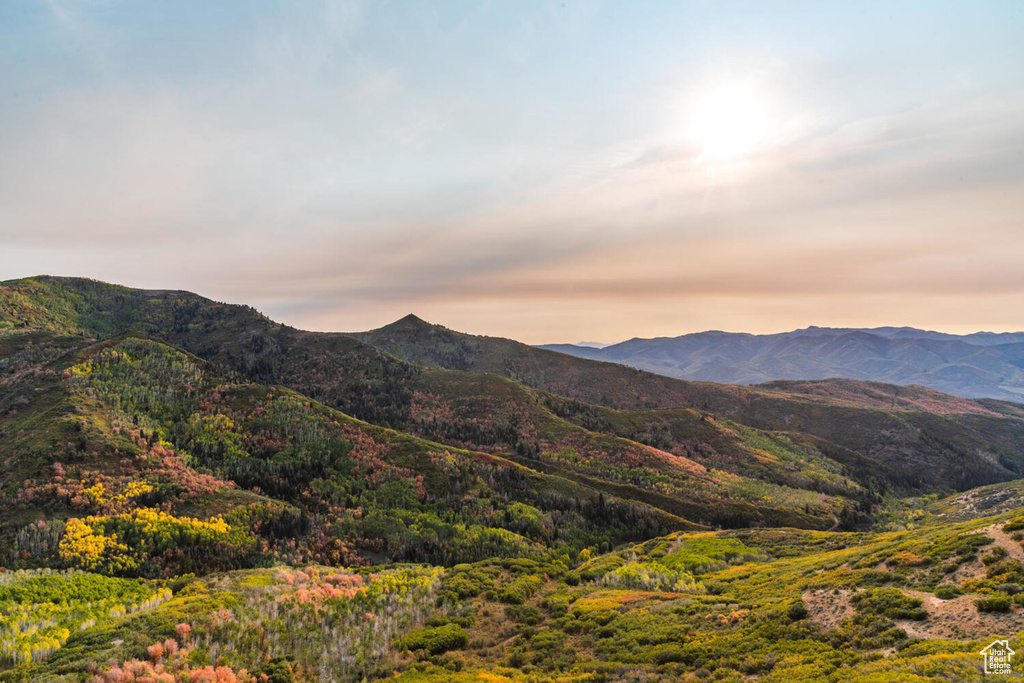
(979, 365)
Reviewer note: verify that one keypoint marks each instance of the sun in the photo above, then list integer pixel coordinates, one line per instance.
(729, 121)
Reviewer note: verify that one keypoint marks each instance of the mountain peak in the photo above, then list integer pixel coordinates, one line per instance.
(409, 324)
(411, 321)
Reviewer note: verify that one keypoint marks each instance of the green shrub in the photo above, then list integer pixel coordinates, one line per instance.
(947, 592)
(519, 590)
(994, 603)
(998, 553)
(890, 603)
(436, 640)
(557, 604)
(599, 566)
(797, 611)
(526, 614)
(1015, 524)
(278, 670)
(465, 581)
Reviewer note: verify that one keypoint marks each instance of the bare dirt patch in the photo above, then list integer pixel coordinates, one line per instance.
(968, 570)
(827, 606)
(1003, 540)
(959, 619)
(956, 619)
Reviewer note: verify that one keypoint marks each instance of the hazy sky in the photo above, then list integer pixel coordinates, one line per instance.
(548, 171)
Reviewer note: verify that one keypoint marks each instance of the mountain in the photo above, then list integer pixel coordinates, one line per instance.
(869, 427)
(426, 379)
(459, 409)
(192, 491)
(979, 365)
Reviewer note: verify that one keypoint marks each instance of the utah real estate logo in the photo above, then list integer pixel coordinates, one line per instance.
(997, 657)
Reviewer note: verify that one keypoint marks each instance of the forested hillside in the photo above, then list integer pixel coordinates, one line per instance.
(193, 492)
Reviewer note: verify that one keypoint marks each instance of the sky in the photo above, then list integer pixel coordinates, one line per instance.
(546, 171)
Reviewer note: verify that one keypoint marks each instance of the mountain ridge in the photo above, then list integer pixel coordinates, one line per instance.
(401, 375)
(976, 365)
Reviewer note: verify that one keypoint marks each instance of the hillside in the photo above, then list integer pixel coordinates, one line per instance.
(964, 443)
(980, 365)
(131, 423)
(778, 606)
(886, 429)
(193, 492)
(457, 409)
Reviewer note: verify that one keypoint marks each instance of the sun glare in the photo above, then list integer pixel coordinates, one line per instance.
(729, 121)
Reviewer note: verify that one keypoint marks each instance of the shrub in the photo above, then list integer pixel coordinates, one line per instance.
(519, 591)
(436, 640)
(947, 592)
(889, 602)
(797, 611)
(1015, 524)
(998, 553)
(278, 670)
(557, 604)
(994, 603)
(906, 559)
(599, 566)
(526, 614)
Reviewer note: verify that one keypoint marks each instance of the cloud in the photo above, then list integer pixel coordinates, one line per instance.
(336, 163)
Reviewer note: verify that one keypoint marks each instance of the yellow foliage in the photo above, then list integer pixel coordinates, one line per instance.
(80, 546)
(153, 520)
(96, 494)
(134, 489)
